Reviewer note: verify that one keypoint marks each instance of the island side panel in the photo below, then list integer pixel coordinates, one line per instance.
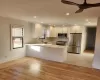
(48, 53)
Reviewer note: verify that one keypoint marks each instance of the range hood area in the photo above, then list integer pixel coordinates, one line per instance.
(74, 41)
(62, 39)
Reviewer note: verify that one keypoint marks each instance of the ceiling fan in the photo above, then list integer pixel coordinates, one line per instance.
(83, 6)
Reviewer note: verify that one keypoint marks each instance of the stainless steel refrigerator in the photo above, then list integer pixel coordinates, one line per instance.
(75, 43)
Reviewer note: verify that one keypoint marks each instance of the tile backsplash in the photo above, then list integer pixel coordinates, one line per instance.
(48, 40)
(51, 40)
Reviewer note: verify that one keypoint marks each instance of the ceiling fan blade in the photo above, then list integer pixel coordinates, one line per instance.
(68, 2)
(85, 2)
(80, 10)
(94, 5)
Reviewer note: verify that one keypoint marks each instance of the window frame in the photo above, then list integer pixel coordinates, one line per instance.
(12, 37)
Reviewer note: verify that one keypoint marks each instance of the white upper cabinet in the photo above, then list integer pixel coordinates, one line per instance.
(55, 30)
(38, 31)
(58, 29)
(76, 29)
(65, 29)
(51, 31)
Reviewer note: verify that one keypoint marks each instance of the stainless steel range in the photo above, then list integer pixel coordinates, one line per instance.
(62, 43)
(62, 39)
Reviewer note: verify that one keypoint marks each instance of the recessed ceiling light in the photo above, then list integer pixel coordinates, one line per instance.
(87, 20)
(75, 24)
(67, 14)
(41, 22)
(35, 16)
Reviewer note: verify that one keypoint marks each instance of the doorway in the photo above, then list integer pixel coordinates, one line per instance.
(86, 57)
(90, 41)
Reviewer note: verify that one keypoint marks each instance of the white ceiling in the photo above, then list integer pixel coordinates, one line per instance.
(49, 11)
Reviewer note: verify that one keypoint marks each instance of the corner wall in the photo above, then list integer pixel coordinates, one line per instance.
(84, 37)
(5, 53)
(96, 61)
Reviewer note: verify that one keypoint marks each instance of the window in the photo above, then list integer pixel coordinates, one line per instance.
(17, 37)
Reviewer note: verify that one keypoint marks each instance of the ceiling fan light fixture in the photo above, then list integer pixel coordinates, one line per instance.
(87, 20)
(67, 14)
(41, 22)
(75, 24)
(34, 16)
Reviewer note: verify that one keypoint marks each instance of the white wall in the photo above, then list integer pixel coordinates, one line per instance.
(84, 38)
(96, 61)
(5, 53)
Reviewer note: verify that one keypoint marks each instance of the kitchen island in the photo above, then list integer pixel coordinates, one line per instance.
(47, 52)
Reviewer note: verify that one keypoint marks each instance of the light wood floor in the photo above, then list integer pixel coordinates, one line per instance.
(85, 59)
(36, 69)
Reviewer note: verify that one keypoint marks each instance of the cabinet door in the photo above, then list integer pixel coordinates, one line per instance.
(39, 29)
(65, 29)
(76, 29)
(72, 30)
(52, 31)
(58, 30)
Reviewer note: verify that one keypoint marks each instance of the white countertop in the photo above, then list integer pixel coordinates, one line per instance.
(47, 45)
